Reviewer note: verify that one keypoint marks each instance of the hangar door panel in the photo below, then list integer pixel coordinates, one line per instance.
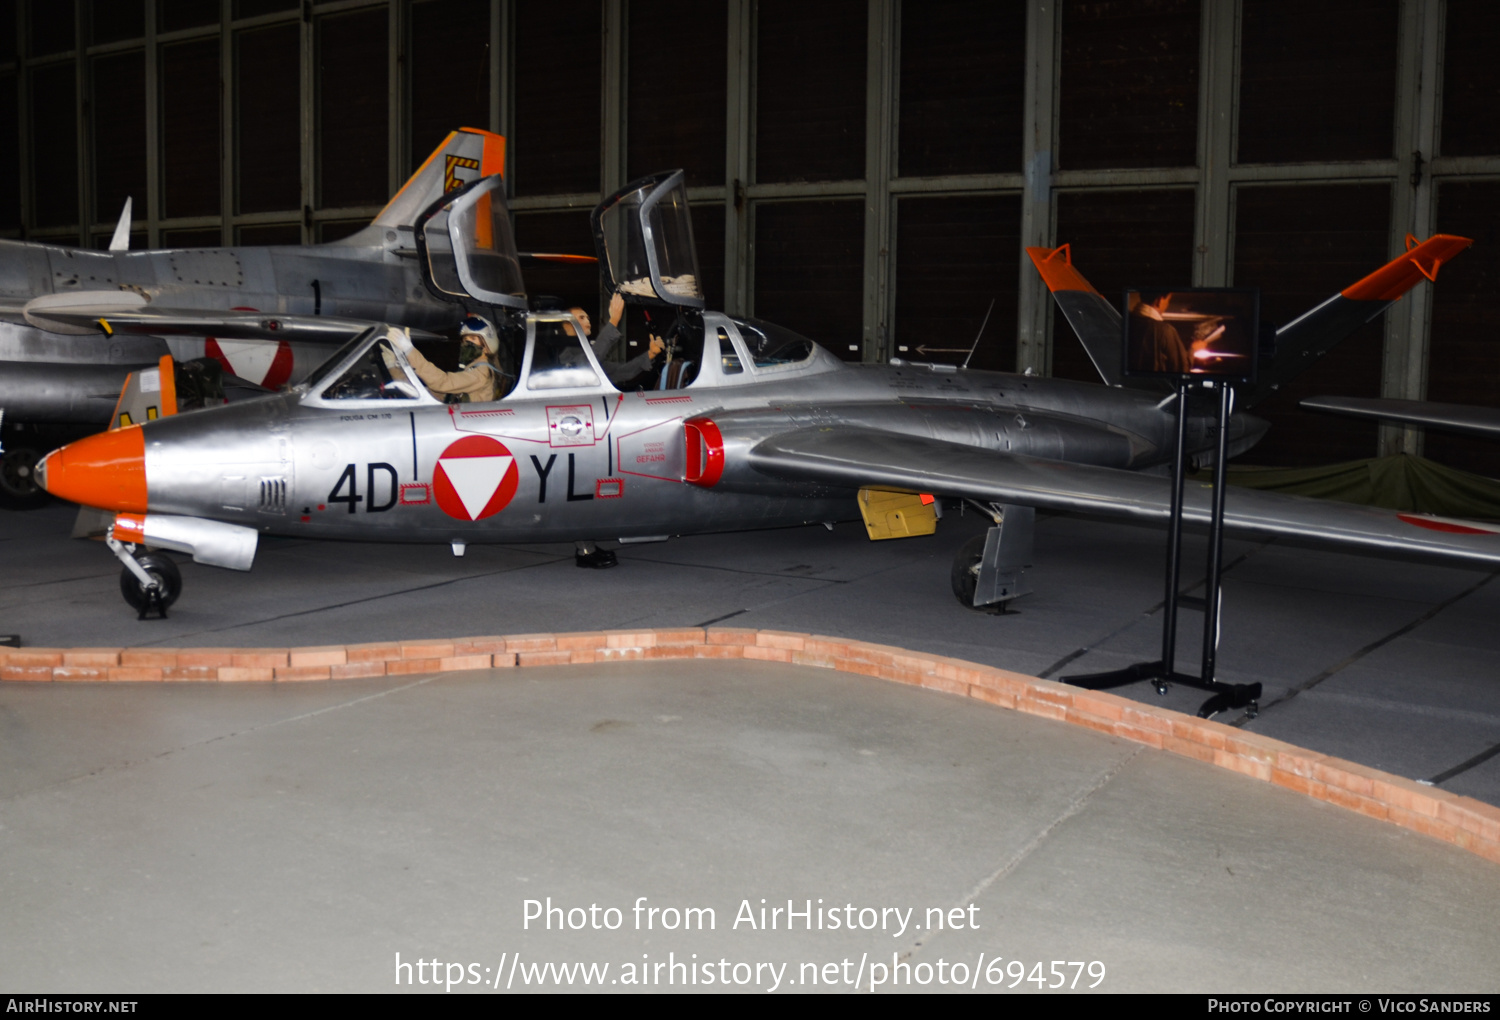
(1339, 232)
(1465, 355)
(809, 270)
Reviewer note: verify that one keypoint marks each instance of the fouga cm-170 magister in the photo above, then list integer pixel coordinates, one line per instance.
(751, 426)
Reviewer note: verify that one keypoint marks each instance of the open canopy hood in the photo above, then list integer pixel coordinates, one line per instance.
(644, 237)
(466, 248)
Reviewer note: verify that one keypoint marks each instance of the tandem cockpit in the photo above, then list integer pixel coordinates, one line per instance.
(643, 235)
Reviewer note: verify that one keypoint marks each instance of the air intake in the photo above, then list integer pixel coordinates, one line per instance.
(273, 495)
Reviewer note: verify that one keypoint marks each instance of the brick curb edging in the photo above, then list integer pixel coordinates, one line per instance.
(1462, 821)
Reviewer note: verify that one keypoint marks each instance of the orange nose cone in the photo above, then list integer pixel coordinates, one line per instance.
(107, 471)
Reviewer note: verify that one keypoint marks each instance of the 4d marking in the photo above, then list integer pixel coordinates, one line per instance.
(381, 495)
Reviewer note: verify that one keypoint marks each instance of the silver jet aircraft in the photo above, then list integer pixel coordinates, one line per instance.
(752, 426)
(74, 322)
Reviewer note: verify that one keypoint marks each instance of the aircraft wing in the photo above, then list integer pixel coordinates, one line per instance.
(852, 457)
(153, 321)
(1473, 421)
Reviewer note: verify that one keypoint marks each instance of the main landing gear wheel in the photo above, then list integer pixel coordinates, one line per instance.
(18, 487)
(167, 577)
(965, 574)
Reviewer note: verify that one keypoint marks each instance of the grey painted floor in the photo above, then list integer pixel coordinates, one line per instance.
(1391, 664)
(311, 836)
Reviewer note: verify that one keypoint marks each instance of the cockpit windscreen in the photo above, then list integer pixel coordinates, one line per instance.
(335, 359)
(771, 345)
(377, 375)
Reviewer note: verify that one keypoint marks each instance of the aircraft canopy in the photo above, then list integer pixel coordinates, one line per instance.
(644, 236)
(467, 248)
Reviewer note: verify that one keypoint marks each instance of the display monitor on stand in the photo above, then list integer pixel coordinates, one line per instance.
(1196, 339)
(1193, 335)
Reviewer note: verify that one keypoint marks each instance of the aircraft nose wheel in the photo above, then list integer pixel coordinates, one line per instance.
(164, 592)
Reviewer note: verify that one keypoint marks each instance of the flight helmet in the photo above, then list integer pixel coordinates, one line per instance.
(480, 330)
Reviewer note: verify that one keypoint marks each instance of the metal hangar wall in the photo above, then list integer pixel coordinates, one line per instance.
(866, 171)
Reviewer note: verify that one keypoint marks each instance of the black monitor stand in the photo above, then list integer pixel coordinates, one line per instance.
(1163, 671)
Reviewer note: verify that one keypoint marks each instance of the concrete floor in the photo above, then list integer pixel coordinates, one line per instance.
(300, 836)
(1391, 664)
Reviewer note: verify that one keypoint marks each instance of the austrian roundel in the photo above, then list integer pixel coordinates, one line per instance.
(475, 477)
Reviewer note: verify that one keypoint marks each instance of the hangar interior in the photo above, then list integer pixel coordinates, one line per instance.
(864, 171)
(867, 172)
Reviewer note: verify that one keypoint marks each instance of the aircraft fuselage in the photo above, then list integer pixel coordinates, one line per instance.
(610, 465)
(49, 377)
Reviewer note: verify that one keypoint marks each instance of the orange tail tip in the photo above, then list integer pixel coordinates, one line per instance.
(107, 471)
(464, 156)
(1418, 262)
(1056, 268)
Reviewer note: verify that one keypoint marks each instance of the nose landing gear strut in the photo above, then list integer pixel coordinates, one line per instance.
(150, 580)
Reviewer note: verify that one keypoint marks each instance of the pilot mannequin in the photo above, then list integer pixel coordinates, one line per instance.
(619, 373)
(588, 554)
(479, 378)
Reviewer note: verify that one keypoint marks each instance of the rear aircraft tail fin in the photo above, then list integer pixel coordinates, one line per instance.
(148, 394)
(121, 239)
(465, 156)
(1095, 320)
(1301, 342)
